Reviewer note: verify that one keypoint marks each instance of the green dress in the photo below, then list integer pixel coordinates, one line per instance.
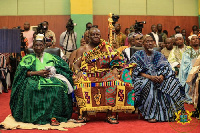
(36, 99)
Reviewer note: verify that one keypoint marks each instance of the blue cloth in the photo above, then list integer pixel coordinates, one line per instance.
(154, 100)
(186, 65)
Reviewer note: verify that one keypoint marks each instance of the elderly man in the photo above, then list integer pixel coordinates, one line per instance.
(188, 59)
(135, 41)
(168, 47)
(175, 55)
(98, 70)
(158, 92)
(130, 43)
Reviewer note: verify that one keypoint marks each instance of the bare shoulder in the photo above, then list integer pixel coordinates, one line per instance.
(81, 50)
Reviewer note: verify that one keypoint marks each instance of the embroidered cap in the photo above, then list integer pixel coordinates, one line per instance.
(178, 35)
(190, 37)
(39, 37)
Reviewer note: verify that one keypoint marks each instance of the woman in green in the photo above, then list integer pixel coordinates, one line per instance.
(41, 88)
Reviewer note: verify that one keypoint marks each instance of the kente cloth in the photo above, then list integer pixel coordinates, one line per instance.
(99, 89)
(155, 100)
(188, 59)
(36, 99)
(175, 56)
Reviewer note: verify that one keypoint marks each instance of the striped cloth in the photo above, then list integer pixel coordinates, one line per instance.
(155, 100)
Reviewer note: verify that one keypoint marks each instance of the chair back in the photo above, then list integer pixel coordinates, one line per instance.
(55, 51)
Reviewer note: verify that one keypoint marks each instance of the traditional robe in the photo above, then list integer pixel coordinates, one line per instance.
(175, 56)
(36, 99)
(155, 100)
(188, 59)
(99, 89)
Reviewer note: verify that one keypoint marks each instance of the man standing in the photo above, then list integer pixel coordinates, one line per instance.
(28, 34)
(183, 32)
(177, 30)
(88, 26)
(120, 37)
(154, 35)
(168, 47)
(48, 33)
(189, 57)
(68, 39)
(194, 28)
(162, 36)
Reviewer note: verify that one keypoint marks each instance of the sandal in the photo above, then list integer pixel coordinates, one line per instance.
(54, 122)
(81, 120)
(112, 120)
(152, 120)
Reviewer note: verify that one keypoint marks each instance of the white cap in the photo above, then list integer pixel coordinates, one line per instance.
(190, 37)
(178, 35)
(39, 37)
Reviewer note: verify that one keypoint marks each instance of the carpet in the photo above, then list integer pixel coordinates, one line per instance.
(10, 123)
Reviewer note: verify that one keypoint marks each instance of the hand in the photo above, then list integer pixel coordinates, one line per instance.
(176, 72)
(77, 76)
(115, 73)
(178, 66)
(155, 79)
(43, 73)
(161, 78)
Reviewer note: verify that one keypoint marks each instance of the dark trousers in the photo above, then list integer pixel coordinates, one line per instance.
(198, 104)
(4, 84)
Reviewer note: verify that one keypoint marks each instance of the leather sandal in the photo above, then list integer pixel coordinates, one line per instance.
(54, 122)
(112, 120)
(81, 120)
(152, 120)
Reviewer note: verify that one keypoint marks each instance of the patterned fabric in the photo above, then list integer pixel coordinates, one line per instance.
(36, 99)
(154, 100)
(188, 59)
(99, 88)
